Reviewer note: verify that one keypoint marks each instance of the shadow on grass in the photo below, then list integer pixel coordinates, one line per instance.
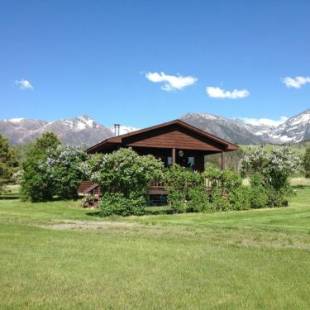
(147, 211)
(94, 214)
(9, 197)
(300, 186)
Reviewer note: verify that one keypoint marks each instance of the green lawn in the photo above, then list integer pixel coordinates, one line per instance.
(58, 256)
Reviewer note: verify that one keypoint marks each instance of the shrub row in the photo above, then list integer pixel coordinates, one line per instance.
(52, 170)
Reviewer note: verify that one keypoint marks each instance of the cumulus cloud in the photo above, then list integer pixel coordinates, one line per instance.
(264, 121)
(24, 84)
(296, 82)
(170, 82)
(217, 92)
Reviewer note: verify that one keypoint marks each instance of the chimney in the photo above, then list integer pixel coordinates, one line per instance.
(117, 129)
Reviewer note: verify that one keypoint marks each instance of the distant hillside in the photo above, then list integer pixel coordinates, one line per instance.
(84, 131)
(293, 130)
(79, 131)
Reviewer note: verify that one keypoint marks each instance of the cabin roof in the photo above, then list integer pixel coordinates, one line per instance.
(119, 140)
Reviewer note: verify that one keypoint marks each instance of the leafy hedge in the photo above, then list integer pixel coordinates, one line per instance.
(213, 190)
(269, 172)
(123, 177)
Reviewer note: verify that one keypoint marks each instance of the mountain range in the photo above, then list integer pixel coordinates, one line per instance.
(84, 131)
(292, 130)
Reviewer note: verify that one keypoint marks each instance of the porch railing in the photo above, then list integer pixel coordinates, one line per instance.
(160, 188)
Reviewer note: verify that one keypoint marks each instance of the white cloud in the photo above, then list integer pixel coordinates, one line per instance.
(264, 121)
(296, 82)
(170, 82)
(217, 92)
(24, 84)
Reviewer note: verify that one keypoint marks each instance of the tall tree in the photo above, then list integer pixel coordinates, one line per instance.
(8, 162)
(36, 185)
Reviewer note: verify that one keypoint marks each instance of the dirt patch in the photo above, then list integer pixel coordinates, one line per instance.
(89, 225)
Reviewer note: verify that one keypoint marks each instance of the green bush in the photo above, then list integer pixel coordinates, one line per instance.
(258, 192)
(52, 170)
(226, 190)
(37, 185)
(8, 162)
(180, 182)
(239, 198)
(118, 204)
(199, 200)
(124, 177)
(213, 190)
(62, 166)
(274, 169)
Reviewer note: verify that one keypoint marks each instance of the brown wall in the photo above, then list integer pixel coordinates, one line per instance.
(172, 138)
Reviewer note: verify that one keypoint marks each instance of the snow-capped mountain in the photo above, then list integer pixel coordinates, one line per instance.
(84, 131)
(243, 131)
(229, 129)
(77, 131)
(295, 129)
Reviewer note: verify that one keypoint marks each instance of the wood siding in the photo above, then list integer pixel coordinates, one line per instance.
(172, 138)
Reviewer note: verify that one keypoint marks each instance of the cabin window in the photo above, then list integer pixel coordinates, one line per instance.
(169, 161)
(191, 161)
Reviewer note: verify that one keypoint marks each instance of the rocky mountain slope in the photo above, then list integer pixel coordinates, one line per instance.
(79, 131)
(232, 130)
(84, 131)
(294, 129)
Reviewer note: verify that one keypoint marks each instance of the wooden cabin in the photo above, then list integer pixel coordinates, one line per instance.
(172, 142)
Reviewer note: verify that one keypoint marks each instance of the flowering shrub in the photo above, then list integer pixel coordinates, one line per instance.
(226, 191)
(274, 168)
(62, 165)
(191, 191)
(123, 175)
(52, 170)
(37, 184)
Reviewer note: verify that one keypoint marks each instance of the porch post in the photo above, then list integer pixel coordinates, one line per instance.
(173, 156)
(222, 161)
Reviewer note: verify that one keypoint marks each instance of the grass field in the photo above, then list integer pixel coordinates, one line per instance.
(59, 256)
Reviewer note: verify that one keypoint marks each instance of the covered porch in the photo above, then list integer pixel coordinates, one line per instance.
(192, 159)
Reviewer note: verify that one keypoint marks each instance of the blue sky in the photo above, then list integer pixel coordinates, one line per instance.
(106, 59)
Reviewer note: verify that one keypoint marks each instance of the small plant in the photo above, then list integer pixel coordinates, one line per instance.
(117, 204)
